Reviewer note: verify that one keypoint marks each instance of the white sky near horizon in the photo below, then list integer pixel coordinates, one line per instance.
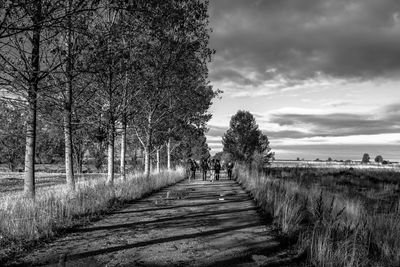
(312, 72)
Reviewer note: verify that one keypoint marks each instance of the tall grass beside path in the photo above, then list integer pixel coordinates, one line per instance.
(23, 221)
(332, 229)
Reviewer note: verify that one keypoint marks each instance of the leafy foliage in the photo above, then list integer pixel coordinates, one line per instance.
(244, 141)
(379, 159)
(365, 158)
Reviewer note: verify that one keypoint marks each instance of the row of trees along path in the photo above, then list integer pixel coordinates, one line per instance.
(101, 68)
(194, 223)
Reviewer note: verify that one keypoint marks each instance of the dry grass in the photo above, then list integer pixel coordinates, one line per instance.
(23, 222)
(337, 220)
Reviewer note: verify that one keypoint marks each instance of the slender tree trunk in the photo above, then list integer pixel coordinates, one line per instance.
(110, 165)
(169, 154)
(29, 182)
(147, 149)
(123, 149)
(78, 158)
(79, 164)
(158, 160)
(124, 117)
(147, 157)
(69, 168)
(111, 130)
(30, 150)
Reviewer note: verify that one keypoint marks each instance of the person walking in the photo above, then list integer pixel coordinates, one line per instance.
(188, 168)
(217, 169)
(193, 168)
(212, 170)
(204, 167)
(229, 168)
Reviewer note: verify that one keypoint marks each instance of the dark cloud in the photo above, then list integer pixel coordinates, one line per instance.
(286, 134)
(392, 111)
(302, 38)
(386, 121)
(339, 124)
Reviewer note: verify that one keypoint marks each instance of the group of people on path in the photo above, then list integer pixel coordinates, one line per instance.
(213, 165)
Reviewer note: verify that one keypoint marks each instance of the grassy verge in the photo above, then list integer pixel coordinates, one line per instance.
(332, 228)
(24, 222)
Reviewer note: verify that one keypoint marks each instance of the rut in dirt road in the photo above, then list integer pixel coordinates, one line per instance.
(196, 223)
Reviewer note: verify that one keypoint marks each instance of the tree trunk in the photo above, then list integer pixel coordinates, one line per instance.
(169, 154)
(78, 158)
(30, 150)
(79, 165)
(69, 168)
(111, 129)
(147, 158)
(158, 160)
(147, 149)
(29, 182)
(110, 164)
(123, 149)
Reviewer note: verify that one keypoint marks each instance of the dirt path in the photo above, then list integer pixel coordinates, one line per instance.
(189, 224)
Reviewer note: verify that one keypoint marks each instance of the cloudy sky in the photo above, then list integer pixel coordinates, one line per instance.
(321, 77)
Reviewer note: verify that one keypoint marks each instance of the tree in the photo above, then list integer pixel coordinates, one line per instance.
(174, 71)
(243, 139)
(193, 143)
(109, 57)
(365, 158)
(25, 62)
(73, 29)
(379, 159)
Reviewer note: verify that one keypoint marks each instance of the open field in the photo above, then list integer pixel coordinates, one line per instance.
(333, 164)
(47, 175)
(13, 182)
(337, 217)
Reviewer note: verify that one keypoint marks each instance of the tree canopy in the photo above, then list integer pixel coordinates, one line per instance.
(365, 158)
(244, 141)
(379, 159)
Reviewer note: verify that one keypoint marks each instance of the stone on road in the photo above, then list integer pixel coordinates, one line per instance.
(196, 223)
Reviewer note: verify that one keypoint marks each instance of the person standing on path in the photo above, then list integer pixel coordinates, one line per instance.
(229, 168)
(212, 170)
(217, 169)
(204, 168)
